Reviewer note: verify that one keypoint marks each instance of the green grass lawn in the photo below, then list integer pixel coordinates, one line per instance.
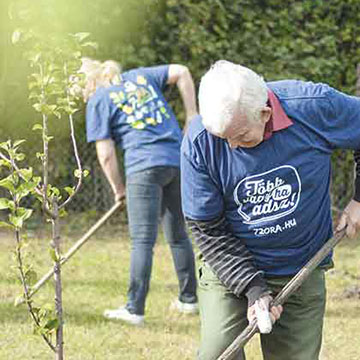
(96, 279)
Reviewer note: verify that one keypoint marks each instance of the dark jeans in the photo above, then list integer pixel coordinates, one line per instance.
(154, 194)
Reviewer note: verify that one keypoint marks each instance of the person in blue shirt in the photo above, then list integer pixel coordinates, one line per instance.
(255, 190)
(128, 111)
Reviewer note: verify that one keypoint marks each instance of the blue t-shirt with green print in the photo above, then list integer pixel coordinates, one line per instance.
(137, 117)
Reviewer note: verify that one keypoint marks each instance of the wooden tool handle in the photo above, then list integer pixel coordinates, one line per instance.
(284, 294)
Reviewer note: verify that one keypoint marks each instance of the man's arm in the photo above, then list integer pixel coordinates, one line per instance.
(229, 258)
(233, 264)
(340, 126)
(181, 76)
(106, 154)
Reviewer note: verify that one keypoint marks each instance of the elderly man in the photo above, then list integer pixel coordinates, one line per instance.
(255, 188)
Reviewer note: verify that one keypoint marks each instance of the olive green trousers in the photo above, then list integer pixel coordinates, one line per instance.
(296, 335)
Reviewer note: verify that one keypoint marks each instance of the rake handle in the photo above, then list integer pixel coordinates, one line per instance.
(232, 350)
(75, 248)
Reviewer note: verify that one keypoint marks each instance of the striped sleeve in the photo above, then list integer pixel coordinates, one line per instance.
(229, 258)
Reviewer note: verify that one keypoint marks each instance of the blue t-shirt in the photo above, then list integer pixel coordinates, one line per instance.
(275, 196)
(137, 117)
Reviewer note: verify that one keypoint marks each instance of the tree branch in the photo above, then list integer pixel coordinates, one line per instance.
(74, 144)
(26, 290)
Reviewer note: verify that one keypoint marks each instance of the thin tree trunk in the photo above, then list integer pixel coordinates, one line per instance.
(58, 286)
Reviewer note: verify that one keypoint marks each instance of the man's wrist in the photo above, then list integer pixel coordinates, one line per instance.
(255, 289)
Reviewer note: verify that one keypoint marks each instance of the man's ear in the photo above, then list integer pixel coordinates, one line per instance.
(265, 114)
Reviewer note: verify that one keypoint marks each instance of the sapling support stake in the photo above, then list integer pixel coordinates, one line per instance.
(76, 247)
(233, 349)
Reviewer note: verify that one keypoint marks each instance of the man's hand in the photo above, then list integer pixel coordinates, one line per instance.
(275, 311)
(351, 218)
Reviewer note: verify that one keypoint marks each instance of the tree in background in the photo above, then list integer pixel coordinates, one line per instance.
(304, 39)
(54, 62)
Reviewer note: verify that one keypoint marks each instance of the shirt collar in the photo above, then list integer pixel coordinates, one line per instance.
(278, 120)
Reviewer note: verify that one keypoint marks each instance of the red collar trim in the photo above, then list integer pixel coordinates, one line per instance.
(279, 120)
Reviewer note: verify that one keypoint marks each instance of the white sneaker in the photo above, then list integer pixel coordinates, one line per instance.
(124, 315)
(185, 308)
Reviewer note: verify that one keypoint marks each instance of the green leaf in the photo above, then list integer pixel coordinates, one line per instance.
(25, 188)
(52, 325)
(48, 109)
(6, 163)
(57, 114)
(77, 173)
(16, 221)
(19, 157)
(4, 203)
(40, 155)
(18, 142)
(62, 213)
(31, 277)
(7, 183)
(27, 173)
(36, 180)
(69, 190)
(86, 173)
(21, 192)
(69, 110)
(37, 127)
(53, 191)
(37, 107)
(11, 205)
(5, 225)
(48, 138)
(24, 213)
(5, 145)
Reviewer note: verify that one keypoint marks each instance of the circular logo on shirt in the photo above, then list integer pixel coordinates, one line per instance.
(269, 195)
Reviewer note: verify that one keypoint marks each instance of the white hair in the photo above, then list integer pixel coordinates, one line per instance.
(226, 91)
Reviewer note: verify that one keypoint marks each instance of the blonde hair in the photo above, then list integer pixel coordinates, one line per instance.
(228, 90)
(99, 74)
